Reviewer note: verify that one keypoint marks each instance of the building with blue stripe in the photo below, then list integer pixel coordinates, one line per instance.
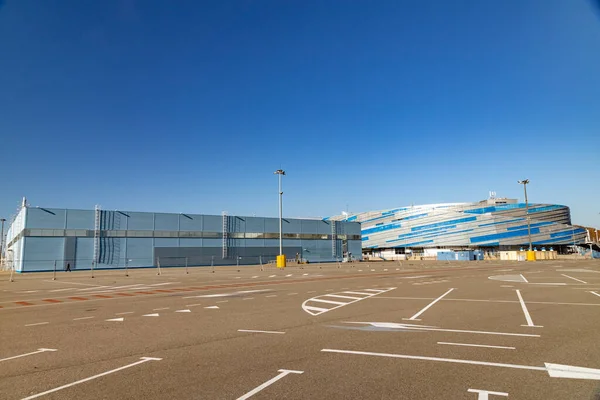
(488, 224)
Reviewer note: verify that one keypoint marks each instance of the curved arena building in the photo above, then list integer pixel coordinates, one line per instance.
(493, 223)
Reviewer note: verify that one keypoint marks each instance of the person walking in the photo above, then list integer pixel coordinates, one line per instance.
(68, 267)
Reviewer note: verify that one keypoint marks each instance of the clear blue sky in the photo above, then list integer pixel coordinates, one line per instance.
(189, 106)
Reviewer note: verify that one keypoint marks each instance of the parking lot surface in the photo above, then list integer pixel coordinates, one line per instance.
(387, 330)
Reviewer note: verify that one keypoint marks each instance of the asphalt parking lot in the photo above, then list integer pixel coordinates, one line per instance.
(351, 331)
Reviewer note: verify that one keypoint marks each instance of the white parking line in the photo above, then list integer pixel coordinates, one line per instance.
(524, 307)
(222, 301)
(271, 295)
(291, 294)
(161, 308)
(38, 323)
(483, 394)
(344, 297)
(524, 279)
(554, 370)
(414, 317)
(271, 381)
(42, 350)
(595, 294)
(142, 360)
(477, 345)
(575, 279)
(123, 313)
(403, 327)
(193, 305)
(314, 310)
(80, 318)
(254, 331)
(328, 301)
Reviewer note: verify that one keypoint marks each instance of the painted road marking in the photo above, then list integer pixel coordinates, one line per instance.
(484, 394)
(575, 279)
(123, 313)
(231, 294)
(506, 286)
(61, 290)
(74, 283)
(272, 276)
(271, 381)
(248, 298)
(80, 318)
(429, 305)
(42, 350)
(292, 294)
(343, 297)
(183, 310)
(288, 275)
(524, 307)
(151, 315)
(161, 308)
(254, 277)
(404, 327)
(554, 370)
(477, 345)
(271, 295)
(193, 305)
(595, 294)
(222, 301)
(315, 310)
(115, 319)
(509, 278)
(254, 331)
(38, 323)
(142, 360)
(490, 301)
(211, 307)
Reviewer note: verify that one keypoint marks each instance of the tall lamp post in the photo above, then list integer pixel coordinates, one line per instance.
(281, 257)
(3, 220)
(524, 182)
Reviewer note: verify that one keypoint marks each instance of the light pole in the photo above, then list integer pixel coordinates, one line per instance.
(281, 258)
(3, 220)
(524, 182)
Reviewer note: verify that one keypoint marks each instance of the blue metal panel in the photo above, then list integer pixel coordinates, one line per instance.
(502, 222)
(291, 225)
(166, 222)
(254, 224)
(45, 218)
(365, 238)
(414, 217)
(444, 223)
(81, 219)
(41, 252)
(190, 222)
(381, 228)
(213, 223)
(504, 235)
(512, 228)
(546, 208)
(140, 221)
(190, 242)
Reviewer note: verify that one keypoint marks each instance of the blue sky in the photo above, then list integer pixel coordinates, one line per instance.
(190, 106)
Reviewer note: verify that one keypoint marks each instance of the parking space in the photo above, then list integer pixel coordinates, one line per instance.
(336, 332)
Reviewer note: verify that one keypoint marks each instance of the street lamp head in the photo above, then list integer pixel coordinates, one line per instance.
(279, 172)
(523, 182)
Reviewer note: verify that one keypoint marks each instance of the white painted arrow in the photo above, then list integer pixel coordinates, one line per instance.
(116, 319)
(283, 372)
(141, 361)
(42, 350)
(212, 307)
(554, 370)
(150, 315)
(183, 311)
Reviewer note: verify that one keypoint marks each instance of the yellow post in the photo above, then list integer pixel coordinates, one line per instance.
(281, 261)
(530, 255)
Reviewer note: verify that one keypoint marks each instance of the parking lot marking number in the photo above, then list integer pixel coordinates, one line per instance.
(414, 317)
(554, 370)
(477, 345)
(484, 394)
(283, 372)
(524, 307)
(575, 279)
(42, 350)
(141, 361)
